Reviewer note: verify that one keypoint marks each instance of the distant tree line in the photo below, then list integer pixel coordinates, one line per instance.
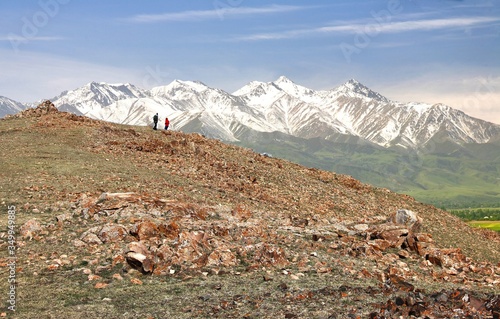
(477, 213)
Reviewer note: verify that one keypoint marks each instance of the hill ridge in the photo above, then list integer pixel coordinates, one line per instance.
(117, 201)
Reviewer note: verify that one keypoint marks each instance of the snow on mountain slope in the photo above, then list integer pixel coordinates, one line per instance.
(8, 106)
(93, 96)
(217, 110)
(138, 111)
(354, 109)
(354, 89)
(217, 113)
(282, 106)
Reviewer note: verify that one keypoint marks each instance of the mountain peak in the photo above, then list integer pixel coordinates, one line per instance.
(289, 87)
(353, 82)
(283, 79)
(197, 86)
(354, 88)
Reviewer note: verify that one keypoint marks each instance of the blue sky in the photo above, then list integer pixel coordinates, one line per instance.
(445, 51)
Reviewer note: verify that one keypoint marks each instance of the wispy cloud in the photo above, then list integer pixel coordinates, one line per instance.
(18, 38)
(216, 13)
(389, 27)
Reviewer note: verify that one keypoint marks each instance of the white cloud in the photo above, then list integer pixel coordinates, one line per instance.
(219, 12)
(371, 27)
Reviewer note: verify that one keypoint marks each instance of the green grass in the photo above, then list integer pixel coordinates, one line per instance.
(493, 225)
(449, 176)
(50, 168)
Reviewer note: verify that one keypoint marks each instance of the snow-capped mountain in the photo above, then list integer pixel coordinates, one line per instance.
(351, 109)
(93, 96)
(8, 106)
(354, 109)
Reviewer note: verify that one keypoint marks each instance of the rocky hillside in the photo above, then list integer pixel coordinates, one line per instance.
(122, 221)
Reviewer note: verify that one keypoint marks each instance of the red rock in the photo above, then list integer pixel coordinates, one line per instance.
(400, 284)
(394, 234)
(145, 230)
(436, 258)
(93, 277)
(139, 262)
(53, 267)
(380, 244)
(138, 247)
(139, 257)
(136, 281)
(417, 246)
(91, 239)
(423, 237)
(267, 254)
(222, 258)
(118, 259)
(404, 254)
(31, 228)
(477, 304)
(112, 233)
(164, 253)
(100, 285)
(170, 230)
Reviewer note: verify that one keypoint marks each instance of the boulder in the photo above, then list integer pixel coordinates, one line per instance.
(112, 233)
(91, 238)
(140, 262)
(380, 244)
(139, 257)
(138, 247)
(394, 234)
(145, 230)
(407, 218)
(419, 243)
(436, 257)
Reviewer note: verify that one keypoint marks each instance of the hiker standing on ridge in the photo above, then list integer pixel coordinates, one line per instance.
(167, 123)
(155, 120)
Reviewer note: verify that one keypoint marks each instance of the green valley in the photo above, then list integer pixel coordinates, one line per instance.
(444, 174)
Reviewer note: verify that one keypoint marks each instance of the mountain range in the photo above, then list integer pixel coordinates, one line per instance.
(349, 129)
(8, 106)
(280, 106)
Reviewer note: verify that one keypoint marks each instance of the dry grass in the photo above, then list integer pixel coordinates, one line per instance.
(49, 164)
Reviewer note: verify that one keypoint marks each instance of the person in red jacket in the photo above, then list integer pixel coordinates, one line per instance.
(167, 123)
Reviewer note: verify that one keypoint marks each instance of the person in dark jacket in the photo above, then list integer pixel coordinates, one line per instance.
(155, 120)
(167, 123)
